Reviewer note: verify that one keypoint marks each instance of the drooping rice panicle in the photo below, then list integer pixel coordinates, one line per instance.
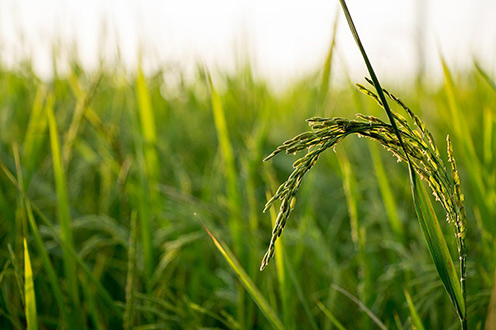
(326, 133)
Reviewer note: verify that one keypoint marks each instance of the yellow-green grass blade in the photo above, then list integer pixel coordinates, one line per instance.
(225, 147)
(386, 193)
(73, 254)
(29, 295)
(63, 207)
(47, 264)
(231, 175)
(148, 130)
(148, 171)
(82, 103)
(491, 309)
(437, 246)
(488, 134)
(485, 75)
(105, 295)
(326, 73)
(246, 281)
(331, 316)
(471, 160)
(357, 231)
(415, 318)
(52, 276)
(35, 134)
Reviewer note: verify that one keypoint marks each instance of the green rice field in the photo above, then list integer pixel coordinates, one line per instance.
(128, 201)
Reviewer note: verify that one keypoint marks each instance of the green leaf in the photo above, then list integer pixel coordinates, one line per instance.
(246, 281)
(29, 296)
(416, 321)
(62, 205)
(437, 245)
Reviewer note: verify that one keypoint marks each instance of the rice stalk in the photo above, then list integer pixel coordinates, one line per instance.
(245, 279)
(66, 234)
(416, 147)
(426, 161)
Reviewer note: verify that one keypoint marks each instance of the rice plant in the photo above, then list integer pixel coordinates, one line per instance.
(416, 147)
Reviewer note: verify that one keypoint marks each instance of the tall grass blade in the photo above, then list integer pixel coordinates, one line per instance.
(131, 273)
(246, 281)
(35, 134)
(326, 73)
(362, 306)
(47, 264)
(70, 249)
(387, 194)
(491, 310)
(471, 160)
(148, 129)
(300, 294)
(416, 321)
(63, 207)
(233, 196)
(485, 75)
(330, 316)
(143, 193)
(30, 298)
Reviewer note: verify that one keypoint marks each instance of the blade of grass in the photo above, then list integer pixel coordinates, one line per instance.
(326, 73)
(416, 321)
(17, 272)
(300, 294)
(226, 149)
(484, 75)
(47, 264)
(131, 270)
(357, 231)
(361, 305)
(30, 298)
(5, 308)
(231, 176)
(470, 158)
(245, 280)
(35, 134)
(141, 192)
(330, 316)
(491, 310)
(386, 193)
(147, 120)
(54, 232)
(63, 207)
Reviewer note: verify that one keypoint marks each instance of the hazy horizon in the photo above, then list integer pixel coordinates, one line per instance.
(283, 40)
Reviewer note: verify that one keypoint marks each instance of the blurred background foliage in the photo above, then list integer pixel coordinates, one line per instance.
(141, 154)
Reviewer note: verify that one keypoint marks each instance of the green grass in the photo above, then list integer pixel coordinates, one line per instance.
(103, 172)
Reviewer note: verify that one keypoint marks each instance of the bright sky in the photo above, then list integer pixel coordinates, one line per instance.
(283, 39)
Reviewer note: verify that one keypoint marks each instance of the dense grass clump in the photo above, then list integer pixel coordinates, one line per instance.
(101, 174)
